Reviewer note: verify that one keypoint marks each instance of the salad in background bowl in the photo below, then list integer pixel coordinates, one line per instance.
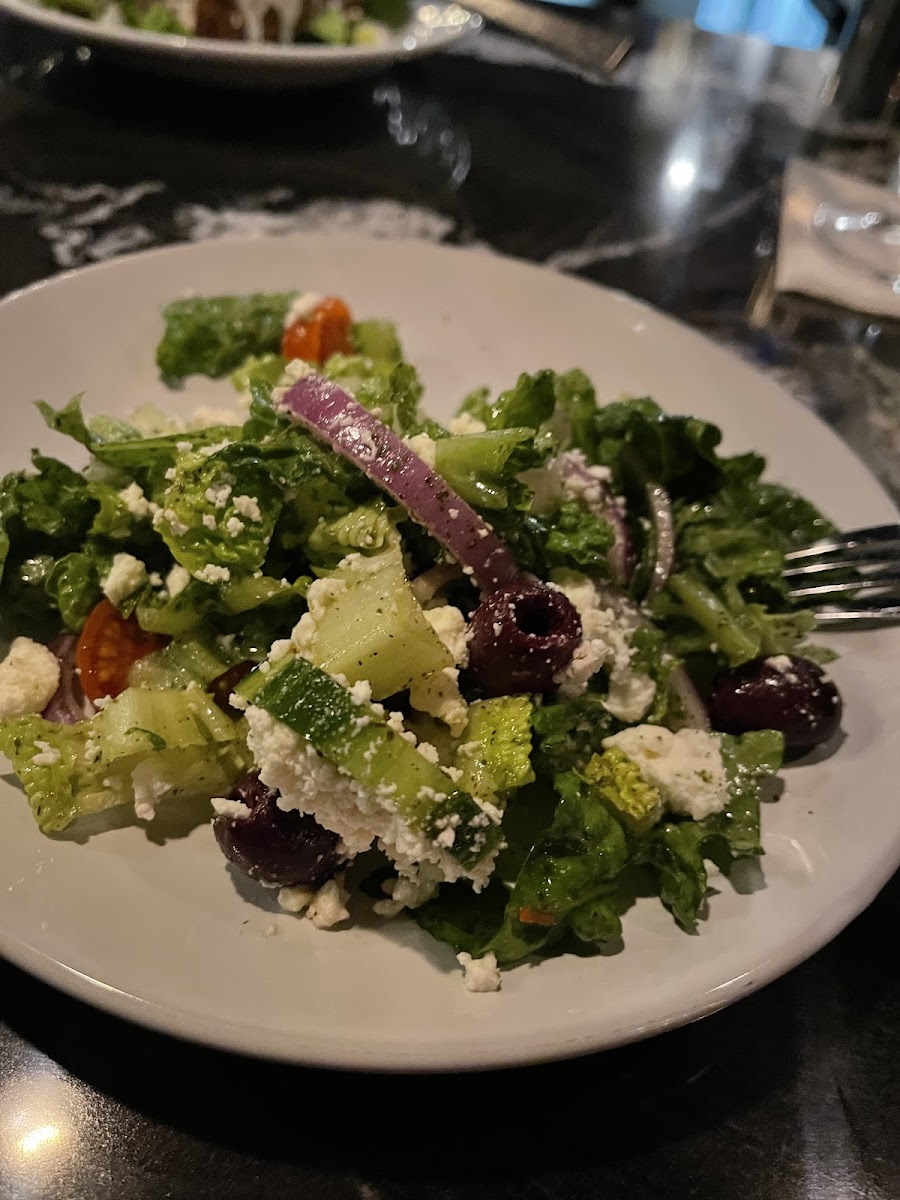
(338, 23)
(513, 672)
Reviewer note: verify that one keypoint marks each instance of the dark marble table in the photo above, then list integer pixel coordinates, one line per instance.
(791, 1093)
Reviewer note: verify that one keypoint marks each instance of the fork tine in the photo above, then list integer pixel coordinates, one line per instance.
(861, 570)
(861, 617)
(854, 546)
(887, 585)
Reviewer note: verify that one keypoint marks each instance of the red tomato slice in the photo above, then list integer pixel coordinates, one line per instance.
(107, 648)
(324, 332)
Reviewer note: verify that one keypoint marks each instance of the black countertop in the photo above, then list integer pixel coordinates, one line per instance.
(790, 1093)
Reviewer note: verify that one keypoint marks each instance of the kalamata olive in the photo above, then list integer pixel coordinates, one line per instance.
(785, 692)
(522, 635)
(273, 846)
(223, 685)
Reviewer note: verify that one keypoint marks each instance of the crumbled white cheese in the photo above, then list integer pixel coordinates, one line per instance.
(280, 649)
(46, 754)
(234, 526)
(466, 423)
(177, 580)
(212, 573)
(429, 753)
(685, 766)
(209, 451)
(586, 483)
(329, 905)
(606, 625)
(29, 677)
(92, 750)
(479, 974)
(124, 577)
(209, 520)
(233, 809)
(783, 665)
(295, 899)
(155, 579)
(303, 306)
(450, 626)
(422, 445)
(361, 691)
(136, 502)
(171, 518)
(294, 371)
(308, 783)
(170, 473)
(438, 695)
(410, 891)
(247, 506)
(218, 495)
(184, 447)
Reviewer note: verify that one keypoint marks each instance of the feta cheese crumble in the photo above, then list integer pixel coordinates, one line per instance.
(247, 506)
(606, 626)
(177, 580)
(136, 502)
(450, 626)
(479, 974)
(29, 677)
(124, 577)
(424, 447)
(308, 783)
(212, 573)
(233, 809)
(466, 423)
(303, 306)
(685, 766)
(46, 755)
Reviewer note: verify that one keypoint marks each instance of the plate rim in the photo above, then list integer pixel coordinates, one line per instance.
(257, 54)
(347, 1053)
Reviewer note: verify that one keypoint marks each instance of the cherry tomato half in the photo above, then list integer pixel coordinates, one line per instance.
(108, 647)
(324, 332)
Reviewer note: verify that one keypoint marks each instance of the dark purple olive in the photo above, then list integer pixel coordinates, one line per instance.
(787, 693)
(522, 635)
(287, 848)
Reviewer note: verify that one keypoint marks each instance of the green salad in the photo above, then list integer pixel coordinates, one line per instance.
(505, 675)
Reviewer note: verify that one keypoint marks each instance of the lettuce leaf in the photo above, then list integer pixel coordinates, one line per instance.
(70, 771)
(205, 518)
(213, 335)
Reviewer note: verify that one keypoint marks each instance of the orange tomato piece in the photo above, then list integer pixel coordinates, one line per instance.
(324, 332)
(107, 648)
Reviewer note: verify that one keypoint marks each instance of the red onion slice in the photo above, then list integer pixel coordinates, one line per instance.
(663, 535)
(600, 500)
(352, 431)
(69, 705)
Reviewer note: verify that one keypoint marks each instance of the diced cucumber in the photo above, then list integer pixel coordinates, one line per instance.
(355, 738)
(374, 628)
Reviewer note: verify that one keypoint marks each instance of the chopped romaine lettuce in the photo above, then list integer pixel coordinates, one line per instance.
(70, 771)
(213, 335)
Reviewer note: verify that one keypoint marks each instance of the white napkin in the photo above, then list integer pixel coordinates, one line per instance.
(839, 240)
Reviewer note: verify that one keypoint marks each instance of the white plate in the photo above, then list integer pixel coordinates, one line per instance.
(159, 933)
(433, 26)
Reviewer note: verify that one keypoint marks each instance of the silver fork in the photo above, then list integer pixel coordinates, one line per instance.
(868, 589)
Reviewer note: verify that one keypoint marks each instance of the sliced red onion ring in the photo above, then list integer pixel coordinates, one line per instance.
(69, 705)
(599, 498)
(693, 709)
(663, 535)
(352, 431)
